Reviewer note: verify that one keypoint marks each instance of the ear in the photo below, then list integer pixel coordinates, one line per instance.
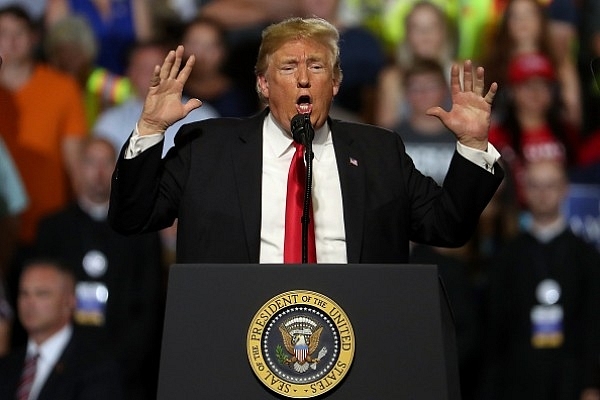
(336, 87)
(263, 86)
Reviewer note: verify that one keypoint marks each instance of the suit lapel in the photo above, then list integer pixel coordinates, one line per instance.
(57, 375)
(352, 182)
(247, 163)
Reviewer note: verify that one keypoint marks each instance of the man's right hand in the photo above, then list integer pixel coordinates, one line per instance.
(163, 106)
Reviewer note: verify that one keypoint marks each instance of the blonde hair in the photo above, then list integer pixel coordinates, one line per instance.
(316, 29)
(72, 29)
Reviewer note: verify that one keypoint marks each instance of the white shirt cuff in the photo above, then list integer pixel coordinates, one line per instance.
(485, 159)
(137, 143)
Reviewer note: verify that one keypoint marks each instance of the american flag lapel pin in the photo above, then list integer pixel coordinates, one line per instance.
(353, 161)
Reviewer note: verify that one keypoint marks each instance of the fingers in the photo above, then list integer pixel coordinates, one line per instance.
(436, 111)
(165, 69)
(170, 67)
(455, 79)
(191, 104)
(489, 97)
(155, 80)
(478, 81)
(177, 63)
(473, 80)
(187, 69)
(468, 75)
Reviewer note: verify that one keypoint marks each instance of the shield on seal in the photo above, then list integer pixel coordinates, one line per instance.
(300, 351)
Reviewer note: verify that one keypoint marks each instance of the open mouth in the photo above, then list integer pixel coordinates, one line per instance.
(304, 105)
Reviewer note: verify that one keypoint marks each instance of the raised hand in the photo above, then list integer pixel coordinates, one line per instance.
(163, 106)
(470, 115)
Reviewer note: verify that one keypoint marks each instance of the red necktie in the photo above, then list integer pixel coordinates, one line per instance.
(27, 377)
(292, 248)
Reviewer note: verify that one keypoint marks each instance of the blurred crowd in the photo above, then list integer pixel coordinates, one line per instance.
(525, 290)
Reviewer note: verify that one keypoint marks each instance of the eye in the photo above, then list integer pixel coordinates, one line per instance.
(287, 69)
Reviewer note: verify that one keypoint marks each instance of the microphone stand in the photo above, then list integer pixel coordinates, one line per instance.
(308, 157)
(303, 133)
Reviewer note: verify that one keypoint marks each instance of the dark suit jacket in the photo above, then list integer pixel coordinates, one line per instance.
(81, 373)
(211, 181)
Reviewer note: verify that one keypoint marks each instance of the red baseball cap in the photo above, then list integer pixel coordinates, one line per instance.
(530, 65)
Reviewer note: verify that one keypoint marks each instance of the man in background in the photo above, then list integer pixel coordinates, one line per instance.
(118, 279)
(544, 303)
(58, 361)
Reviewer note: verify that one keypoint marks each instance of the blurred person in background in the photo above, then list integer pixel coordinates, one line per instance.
(543, 338)
(532, 127)
(428, 142)
(383, 17)
(206, 40)
(44, 132)
(525, 28)
(116, 123)
(117, 25)
(70, 46)
(59, 361)
(429, 35)
(118, 287)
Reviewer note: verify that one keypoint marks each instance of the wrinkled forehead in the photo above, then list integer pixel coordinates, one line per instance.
(301, 50)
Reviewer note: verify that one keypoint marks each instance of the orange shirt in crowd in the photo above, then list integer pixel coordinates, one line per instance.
(49, 108)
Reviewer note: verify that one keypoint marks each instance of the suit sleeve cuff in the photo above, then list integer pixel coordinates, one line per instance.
(137, 144)
(484, 159)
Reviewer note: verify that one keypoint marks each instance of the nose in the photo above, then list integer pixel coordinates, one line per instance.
(303, 79)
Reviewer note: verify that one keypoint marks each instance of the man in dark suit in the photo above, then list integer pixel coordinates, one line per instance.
(65, 364)
(225, 179)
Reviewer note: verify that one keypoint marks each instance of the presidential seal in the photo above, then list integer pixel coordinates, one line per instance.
(300, 344)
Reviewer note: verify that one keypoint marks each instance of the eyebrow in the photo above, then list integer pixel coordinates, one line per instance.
(294, 59)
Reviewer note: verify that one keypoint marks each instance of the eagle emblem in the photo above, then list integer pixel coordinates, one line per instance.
(301, 339)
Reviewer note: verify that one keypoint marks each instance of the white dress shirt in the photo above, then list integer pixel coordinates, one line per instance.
(330, 235)
(49, 353)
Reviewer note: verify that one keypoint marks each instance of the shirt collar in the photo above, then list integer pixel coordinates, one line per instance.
(279, 141)
(547, 233)
(98, 212)
(52, 347)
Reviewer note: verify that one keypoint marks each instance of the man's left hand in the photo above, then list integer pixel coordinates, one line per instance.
(470, 115)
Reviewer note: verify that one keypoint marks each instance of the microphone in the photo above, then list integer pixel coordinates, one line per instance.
(302, 129)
